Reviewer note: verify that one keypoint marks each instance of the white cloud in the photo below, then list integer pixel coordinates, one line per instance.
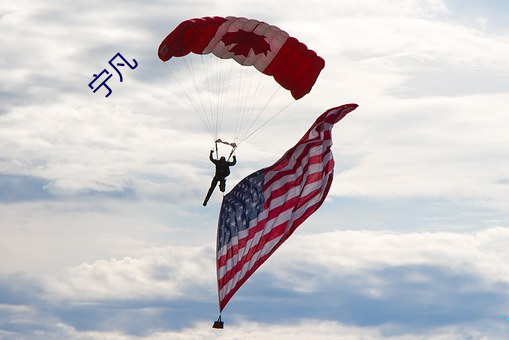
(387, 51)
(438, 274)
(339, 253)
(162, 273)
(449, 147)
(307, 263)
(318, 329)
(307, 329)
(117, 182)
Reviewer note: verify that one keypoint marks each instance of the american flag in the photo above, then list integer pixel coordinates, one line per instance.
(266, 207)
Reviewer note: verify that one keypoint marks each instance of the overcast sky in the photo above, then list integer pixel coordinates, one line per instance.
(102, 231)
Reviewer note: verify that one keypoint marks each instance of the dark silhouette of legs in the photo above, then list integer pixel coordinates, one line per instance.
(222, 184)
(211, 190)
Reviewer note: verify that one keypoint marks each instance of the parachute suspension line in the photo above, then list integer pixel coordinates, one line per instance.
(267, 121)
(240, 105)
(191, 70)
(218, 74)
(214, 90)
(261, 112)
(234, 146)
(207, 81)
(244, 110)
(250, 101)
(254, 96)
(225, 69)
(196, 109)
(217, 108)
(211, 84)
(218, 93)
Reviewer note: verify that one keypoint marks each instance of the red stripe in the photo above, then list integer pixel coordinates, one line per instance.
(312, 159)
(274, 233)
(277, 168)
(246, 258)
(299, 181)
(260, 226)
(324, 134)
(241, 243)
(305, 141)
(241, 281)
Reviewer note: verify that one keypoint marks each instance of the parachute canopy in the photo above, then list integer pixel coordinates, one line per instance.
(250, 43)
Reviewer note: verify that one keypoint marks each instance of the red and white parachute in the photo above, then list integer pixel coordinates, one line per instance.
(236, 98)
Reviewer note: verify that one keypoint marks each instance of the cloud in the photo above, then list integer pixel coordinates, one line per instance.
(478, 253)
(315, 329)
(168, 273)
(380, 284)
(101, 235)
(412, 281)
(396, 60)
(371, 284)
(448, 159)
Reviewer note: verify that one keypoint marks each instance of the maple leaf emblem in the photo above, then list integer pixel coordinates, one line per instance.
(246, 41)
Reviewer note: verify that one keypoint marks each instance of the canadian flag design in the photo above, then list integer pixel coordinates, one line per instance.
(250, 43)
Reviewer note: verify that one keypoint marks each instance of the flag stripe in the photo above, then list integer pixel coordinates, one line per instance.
(293, 180)
(299, 156)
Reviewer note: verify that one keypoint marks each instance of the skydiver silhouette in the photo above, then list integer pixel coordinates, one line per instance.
(222, 171)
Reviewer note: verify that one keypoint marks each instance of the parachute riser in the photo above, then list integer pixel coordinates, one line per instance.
(233, 145)
(231, 153)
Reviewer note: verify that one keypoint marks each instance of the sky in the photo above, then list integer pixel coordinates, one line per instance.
(102, 231)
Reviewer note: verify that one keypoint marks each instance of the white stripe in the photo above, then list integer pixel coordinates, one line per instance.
(315, 168)
(314, 151)
(296, 170)
(242, 252)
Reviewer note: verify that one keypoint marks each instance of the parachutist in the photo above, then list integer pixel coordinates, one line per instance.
(222, 171)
